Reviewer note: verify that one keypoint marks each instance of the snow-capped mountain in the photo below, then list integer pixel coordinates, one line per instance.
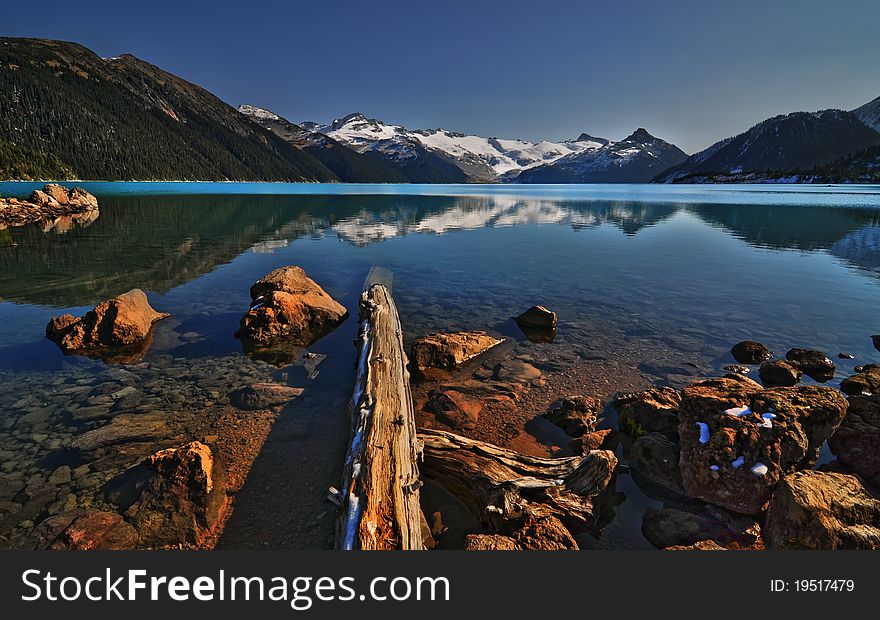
(638, 158)
(478, 158)
(799, 141)
(870, 113)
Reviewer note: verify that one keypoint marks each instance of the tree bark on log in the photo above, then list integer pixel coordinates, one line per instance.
(504, 490)
(379, 501)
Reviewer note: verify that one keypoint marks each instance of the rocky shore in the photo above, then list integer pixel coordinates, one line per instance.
(50, 203)
(140, 450)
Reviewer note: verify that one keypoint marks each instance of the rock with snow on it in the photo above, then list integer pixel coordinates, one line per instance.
(575, 415)
(450, 350)
(865, 382)
(779, 374)
(289, 306)
(752, 437)
(821, 510)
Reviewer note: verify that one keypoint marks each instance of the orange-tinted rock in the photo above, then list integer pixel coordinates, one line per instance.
(98, 530)
(820, 510)
(288, 306)
(544, 533)
(866, 381)
(53, 201)
(124, 321)
(490, 542)
(450, 350)
(590, 441)
(457, 410)
(738, 441)
(176, 496)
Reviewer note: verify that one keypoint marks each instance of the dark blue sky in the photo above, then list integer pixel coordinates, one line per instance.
(691, 72)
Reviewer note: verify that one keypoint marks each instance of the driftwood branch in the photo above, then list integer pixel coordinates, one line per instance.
(379, 500)
(504, 489)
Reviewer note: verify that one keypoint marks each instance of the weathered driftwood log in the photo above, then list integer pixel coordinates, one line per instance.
(504, 489)
(379, 501)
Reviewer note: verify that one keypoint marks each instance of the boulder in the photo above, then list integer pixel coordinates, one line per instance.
(737, 441)
(857, 441)
(538, 324)
(590, 441)
(545, 533)
(263, 396)
(820, 510)
(814, 364)
(651, 411)
(490, 542)
(779, 374)
(866, 381)
(673, 527)
(52, 203)
(750, 352)
(124, 321)
(288, 306)
(97, 530)
(457, 410)
(655, 457)
(576, 415)
(175, 496)
(450, 350)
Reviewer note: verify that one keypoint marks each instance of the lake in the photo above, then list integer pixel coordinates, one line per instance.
(652, 284)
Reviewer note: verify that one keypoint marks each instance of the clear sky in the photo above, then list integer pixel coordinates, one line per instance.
(691, 72)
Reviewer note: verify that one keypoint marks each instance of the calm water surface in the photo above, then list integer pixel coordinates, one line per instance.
(665, 278)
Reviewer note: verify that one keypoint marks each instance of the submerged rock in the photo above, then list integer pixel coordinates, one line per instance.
(655, 456)
(113, 326)
(779, 374)
(814, 364)
(457, 410)
(651, 411)
(672, 527)
(857, 441)
(263, 396)
(876, 340)
(866, 381)
(750, 352)
(450, 350)
(288, 306)
(820, 510)
(575, 415)
(538, 324)
(738, 441)
(176, 496)
(590, 441)
(124, 428)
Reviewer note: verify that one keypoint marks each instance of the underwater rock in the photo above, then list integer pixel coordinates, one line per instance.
(779, 374)
(575, 415)
(821, 510)
(457, 410)
(651, 411)
(812, 363)
(590, 441)
(750, 352)
(655, 457)
(738, 441)
(112, 326)
(124, 428)
(450, 350)
(263, 396)
(856, 443)
(672, 527)
(288, 306)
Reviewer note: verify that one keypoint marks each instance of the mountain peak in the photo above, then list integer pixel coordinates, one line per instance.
(585, 137)
(640, 135)
(255, 112)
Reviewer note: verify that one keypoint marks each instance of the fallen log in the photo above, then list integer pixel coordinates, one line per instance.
(379, 501)
(505, 490)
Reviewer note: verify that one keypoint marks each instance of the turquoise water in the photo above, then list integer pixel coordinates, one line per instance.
(657, 280)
